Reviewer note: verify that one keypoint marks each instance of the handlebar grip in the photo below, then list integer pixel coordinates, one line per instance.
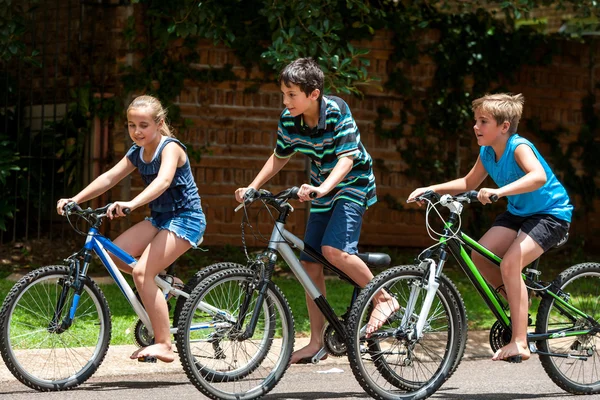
(313, 195)
(494, 198)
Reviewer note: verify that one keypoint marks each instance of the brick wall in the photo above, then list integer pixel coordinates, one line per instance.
(239, 129)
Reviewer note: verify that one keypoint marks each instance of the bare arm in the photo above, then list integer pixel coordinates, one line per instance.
(339, 172)
(470, 181)
(100, 185)
(534, 177)
(273, 165)
(171, 156)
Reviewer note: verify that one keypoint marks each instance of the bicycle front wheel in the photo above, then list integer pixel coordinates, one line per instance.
(218, 356)
(393, 364)
(36, 349)
(579, 373)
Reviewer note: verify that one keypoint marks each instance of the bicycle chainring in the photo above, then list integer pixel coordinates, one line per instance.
(141, 335)
(499, 336)
(334, 343)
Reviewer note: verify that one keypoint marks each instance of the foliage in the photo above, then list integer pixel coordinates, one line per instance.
(13, 26)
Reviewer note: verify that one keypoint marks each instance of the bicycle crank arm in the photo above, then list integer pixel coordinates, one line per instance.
(534, 350)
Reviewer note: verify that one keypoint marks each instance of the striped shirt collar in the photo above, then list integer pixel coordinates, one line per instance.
(305, 129)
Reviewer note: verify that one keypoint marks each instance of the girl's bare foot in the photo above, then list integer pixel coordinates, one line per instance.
(305, 354)
(381, 312)
(512, 352)
(159, 351)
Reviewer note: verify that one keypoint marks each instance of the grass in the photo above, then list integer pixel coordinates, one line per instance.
(339, 292)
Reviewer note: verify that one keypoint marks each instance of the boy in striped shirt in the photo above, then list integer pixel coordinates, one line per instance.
(322, 128)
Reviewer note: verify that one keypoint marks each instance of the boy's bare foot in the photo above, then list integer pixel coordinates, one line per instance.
(382, 311)
(303, 355)
(160, 351)
(512, 352)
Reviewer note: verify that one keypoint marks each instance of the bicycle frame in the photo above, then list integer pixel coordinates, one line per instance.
(281, 242)
(101, 245)
(457, 243)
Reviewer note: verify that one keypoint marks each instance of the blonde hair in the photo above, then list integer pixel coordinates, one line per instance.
(156, 110)
(502, 107)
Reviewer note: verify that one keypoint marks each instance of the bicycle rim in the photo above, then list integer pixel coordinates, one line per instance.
(397, 367)
(217, 360)
(574, 375)
(36, 354)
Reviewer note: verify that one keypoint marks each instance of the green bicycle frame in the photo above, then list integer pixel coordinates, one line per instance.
(458, 248)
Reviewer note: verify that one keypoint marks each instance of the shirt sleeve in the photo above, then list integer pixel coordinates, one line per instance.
(285, 147)
(347, 137)
(133, 154)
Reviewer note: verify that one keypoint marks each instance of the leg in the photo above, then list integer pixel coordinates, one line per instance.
(498, 239)
(165, 248)
(384, 305)
(134, 241)
(522, 252)
(317, 320)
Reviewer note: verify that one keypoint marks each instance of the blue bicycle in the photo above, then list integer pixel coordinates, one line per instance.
(55, 323)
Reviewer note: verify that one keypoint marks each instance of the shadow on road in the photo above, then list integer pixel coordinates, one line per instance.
(129, 385)
(316, 395)
(440, 394)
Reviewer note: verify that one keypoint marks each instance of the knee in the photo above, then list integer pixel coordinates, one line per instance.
(509, 267)
(138, 274)
(334, 256)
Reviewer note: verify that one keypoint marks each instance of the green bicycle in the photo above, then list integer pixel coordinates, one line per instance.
(421, 344)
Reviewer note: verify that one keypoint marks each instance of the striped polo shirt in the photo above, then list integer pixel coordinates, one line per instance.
(335, 136)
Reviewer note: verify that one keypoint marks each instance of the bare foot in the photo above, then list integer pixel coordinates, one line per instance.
(510, 350)
(304, 355)
(382, 311)
(160, 351)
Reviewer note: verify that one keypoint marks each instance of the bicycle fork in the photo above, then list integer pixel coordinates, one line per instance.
(431, 287)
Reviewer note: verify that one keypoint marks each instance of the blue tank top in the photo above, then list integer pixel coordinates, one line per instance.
(182, 194)
(551, 198)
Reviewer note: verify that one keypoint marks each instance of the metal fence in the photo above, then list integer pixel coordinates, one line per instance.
(51, 139)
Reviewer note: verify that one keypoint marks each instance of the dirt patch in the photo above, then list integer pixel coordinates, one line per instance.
(35, 253)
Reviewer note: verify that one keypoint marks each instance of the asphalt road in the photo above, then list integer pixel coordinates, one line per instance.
(475, 379)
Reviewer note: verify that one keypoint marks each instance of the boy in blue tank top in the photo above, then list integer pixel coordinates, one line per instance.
(539, 209)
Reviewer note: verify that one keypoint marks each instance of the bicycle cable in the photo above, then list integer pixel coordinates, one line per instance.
(433, 234)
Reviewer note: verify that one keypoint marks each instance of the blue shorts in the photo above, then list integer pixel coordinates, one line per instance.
(186, 224)
(338, 228)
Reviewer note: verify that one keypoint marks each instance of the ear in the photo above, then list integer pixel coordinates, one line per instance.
(315, 94)
(505, 126)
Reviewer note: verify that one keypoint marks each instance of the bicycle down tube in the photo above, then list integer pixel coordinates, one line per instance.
(101, 246)
(280, 242)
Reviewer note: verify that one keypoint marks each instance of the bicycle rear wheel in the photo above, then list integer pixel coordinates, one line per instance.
(393, 365)
(219, 361)
(580, 283)
(35, 349)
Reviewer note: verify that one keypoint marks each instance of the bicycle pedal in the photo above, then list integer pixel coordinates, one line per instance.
(148, 359)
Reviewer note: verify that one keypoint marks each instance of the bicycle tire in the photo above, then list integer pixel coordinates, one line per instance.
(246, 368)
(61, 361)
(195, 280)
(396, 367)
(581, 283)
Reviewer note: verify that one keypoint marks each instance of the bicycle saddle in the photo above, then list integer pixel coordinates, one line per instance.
(375, 259)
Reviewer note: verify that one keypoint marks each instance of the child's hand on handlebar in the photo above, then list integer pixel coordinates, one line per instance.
(416, 193)
(119, 209)
(485, 195)
(60, 205)
(308, 192)
(241, 192)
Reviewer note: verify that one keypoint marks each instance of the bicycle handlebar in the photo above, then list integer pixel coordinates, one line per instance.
(467, 197)
(276, 200)
(73, 208)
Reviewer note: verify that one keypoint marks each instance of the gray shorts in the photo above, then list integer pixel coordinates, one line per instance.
(546, 230)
